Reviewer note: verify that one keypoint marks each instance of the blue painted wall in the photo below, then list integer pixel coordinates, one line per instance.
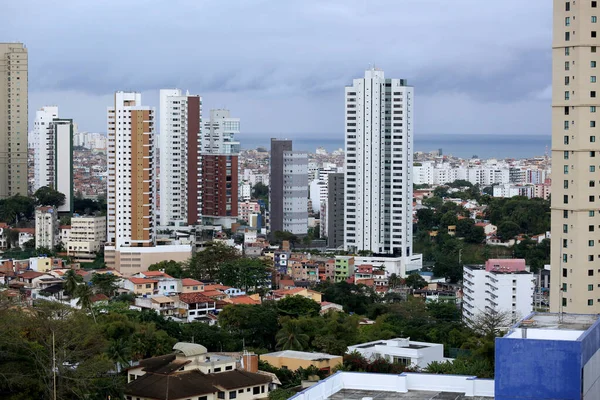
(538, 369)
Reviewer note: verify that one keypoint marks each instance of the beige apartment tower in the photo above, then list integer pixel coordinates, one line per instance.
(13, 119)
(575, 257)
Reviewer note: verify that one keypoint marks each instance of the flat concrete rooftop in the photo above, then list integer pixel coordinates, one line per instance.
(578, 322)
(351, 394)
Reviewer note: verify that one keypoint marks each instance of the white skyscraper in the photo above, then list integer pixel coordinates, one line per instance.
(131, 190)
(43, 146)
(180, 169)
(379, 158)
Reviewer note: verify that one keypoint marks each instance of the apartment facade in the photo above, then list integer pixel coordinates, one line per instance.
(180, 168)
(13, 119)
(219, 177)
(575, 212)
(46, 227)
(288, 190)
(131, 187)
(335, 211)
(87, 236)
(43, 140)
(378, 165)
(496, 289)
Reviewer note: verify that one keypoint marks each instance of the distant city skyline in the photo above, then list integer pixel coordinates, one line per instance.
(281, 66)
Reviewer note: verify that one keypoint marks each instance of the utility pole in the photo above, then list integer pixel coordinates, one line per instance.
(54, 365)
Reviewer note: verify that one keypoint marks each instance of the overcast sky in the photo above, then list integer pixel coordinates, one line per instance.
(478, 66)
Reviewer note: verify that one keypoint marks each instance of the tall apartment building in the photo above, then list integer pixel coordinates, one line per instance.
(288, 189)
(13, 119)
(379, 160)
(180, 168)
(53, 154)
(46, 227)
(219, 177)
(494, 289)
(575, 150)
(335, 211)
(43, 146)
(131, 191)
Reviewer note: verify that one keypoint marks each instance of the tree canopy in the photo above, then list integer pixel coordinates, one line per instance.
(47, 196)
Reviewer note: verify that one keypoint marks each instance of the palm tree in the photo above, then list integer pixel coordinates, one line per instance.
(394, 280)
(85, 294)
(119, 352)
(71, 282)
(290, 336)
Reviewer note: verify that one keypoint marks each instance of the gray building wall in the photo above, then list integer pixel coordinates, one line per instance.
(278, 147)
(335, 211)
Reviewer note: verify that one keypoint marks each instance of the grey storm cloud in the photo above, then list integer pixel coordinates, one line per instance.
(488, 51)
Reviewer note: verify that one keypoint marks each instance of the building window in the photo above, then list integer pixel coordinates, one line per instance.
(566, 185)
(568, 6)
(592, 153)
(591, 198)
(567, 64)
(567, 80)
(567, 21)
(233, 394)
(592, 109)
(590, 302)
(592, 183)
(592, 139)
(564, 274)
(593, 94)
(567, 36)
(564, 257)
(567, 51)
(566, 139)
(565, 228)
(565, 243)
(566, 169)
(566, 199)
(593, 64)
(592, 168)
(566, 155)
(567, 95)
(590, 243)
(564, 302)
(593, 34)
(591, 258)
(566, 125)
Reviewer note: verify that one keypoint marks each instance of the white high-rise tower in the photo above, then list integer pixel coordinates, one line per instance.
(379, 158)
(44, 146)
(180, 168)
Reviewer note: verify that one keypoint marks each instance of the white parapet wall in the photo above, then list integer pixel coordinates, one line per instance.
(403, 383)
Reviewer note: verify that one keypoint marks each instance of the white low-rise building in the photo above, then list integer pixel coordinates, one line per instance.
(401, 351)
(496, 291)
(46, 227)
(86, 236)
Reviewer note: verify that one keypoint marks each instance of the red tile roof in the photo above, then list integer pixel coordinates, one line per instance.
(156, 274)
(139, 281)
(31, 274)
(190, 282)
(191, 298)
(243, 300)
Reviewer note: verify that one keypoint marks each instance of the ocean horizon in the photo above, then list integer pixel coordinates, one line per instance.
(458, 145)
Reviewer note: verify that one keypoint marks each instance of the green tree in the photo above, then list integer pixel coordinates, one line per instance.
(244, 273)
(476, 235)
(448, 219)
(281, 394)
(172, 268)
(255, 325)
(464, 227)
(205, 264)
(85, 293)
(291, 337)
(46, 196)
(508, 230)
(427, 219)
(106, 283)
(296, 306)
(415, 281)
(460, 183)
(15, 208)
(72, 281)
(260, 191)
(30, 341)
